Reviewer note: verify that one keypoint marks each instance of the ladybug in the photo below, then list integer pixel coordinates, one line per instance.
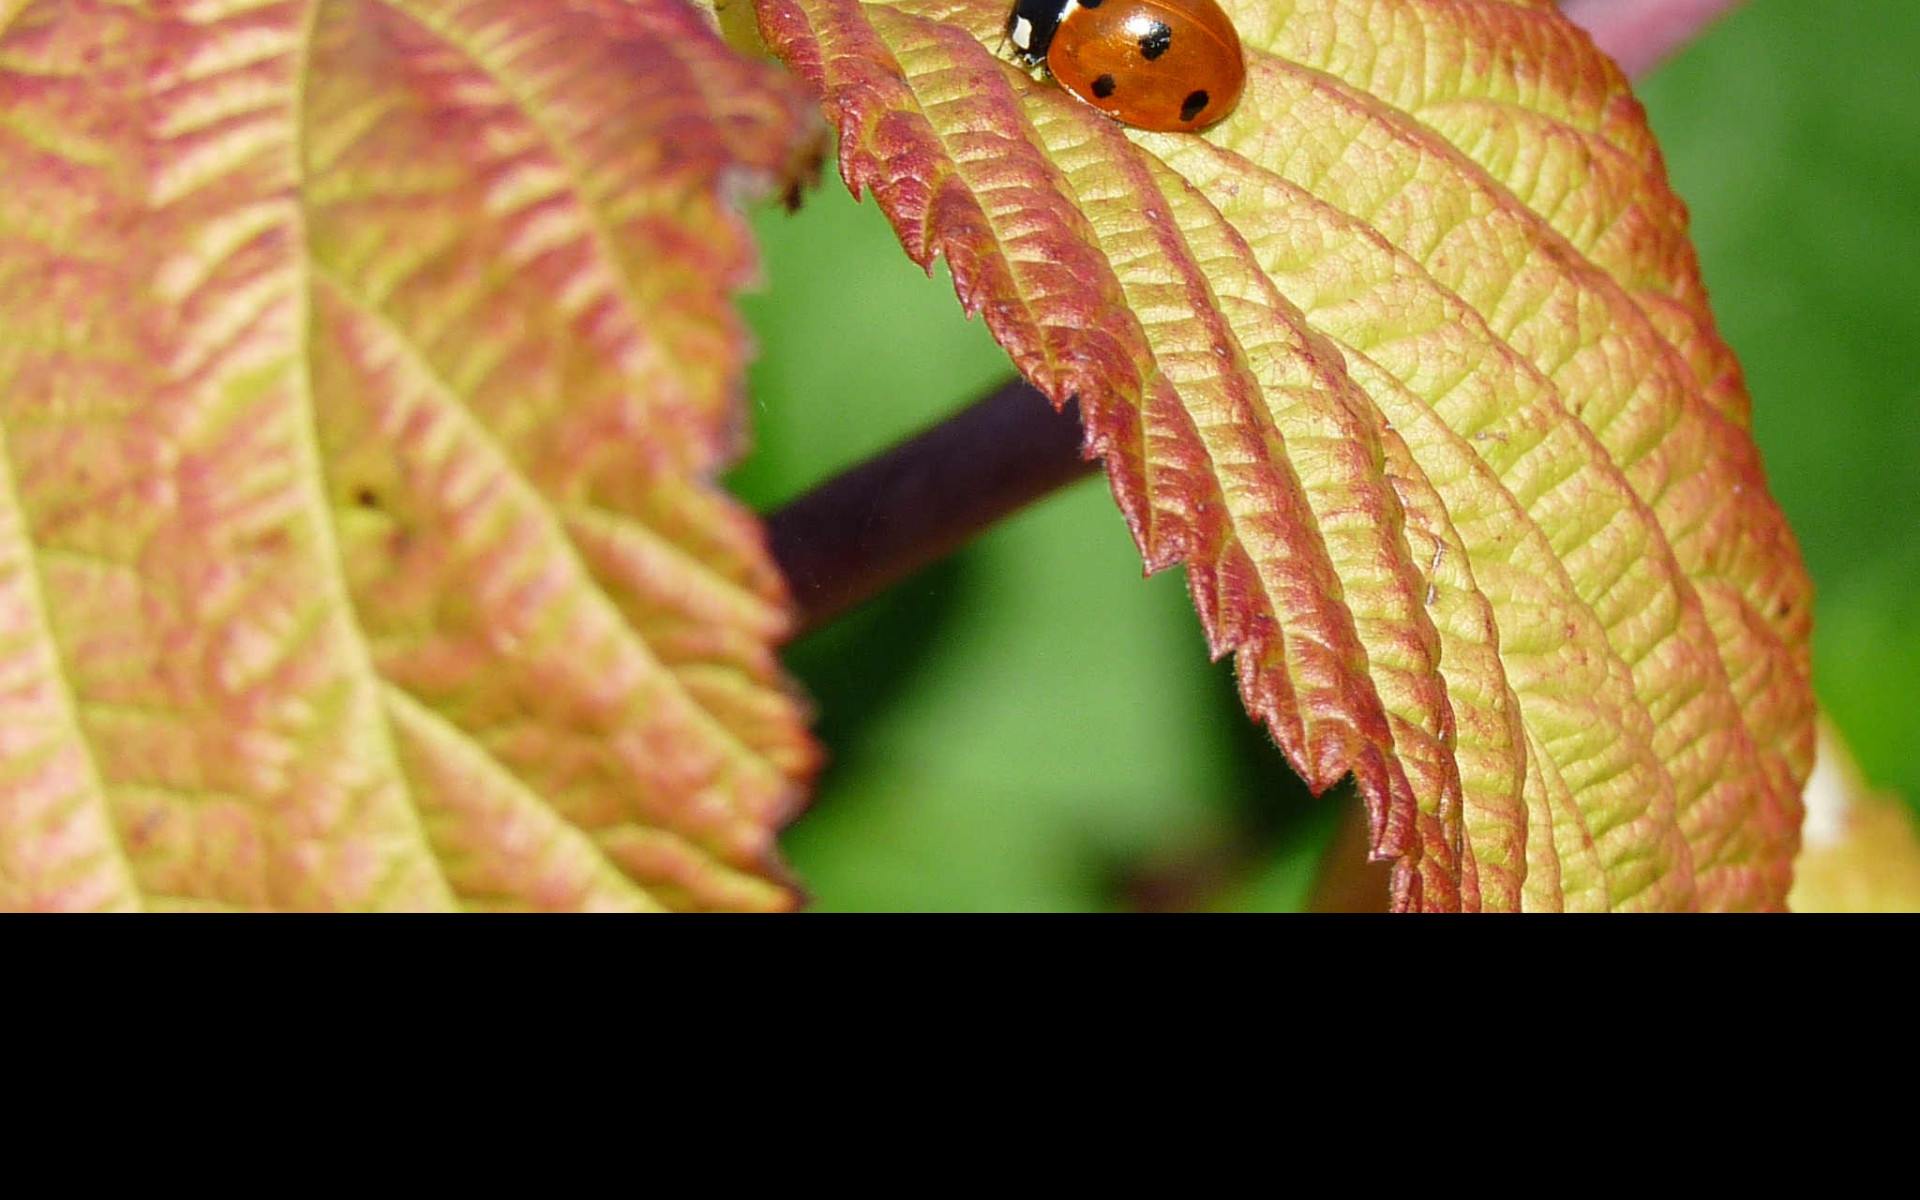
(1170, 65)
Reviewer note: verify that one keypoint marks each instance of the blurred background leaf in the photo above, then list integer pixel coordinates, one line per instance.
(987, 756)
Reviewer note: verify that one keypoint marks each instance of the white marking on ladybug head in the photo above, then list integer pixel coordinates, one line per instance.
(1023, 33)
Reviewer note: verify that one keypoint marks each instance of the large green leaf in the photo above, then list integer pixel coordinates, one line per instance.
(363, 366)
(1408, 360)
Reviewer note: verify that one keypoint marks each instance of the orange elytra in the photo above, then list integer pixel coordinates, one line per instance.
(1170, 65)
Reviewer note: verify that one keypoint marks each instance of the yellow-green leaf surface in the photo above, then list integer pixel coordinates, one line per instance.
(1409, 362)
(1861, 852)
(363, 366)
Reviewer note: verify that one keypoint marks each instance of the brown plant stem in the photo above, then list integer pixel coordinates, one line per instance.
(877, 523)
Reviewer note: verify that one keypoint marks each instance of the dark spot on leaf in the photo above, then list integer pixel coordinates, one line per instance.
(366, 499)
(1103, 86)
(1191, 106)
(1154, 42)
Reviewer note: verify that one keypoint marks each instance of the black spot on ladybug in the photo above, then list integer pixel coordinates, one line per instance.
(1191, 106)
(1154, 42)
(1103, 86)
(1090, 3)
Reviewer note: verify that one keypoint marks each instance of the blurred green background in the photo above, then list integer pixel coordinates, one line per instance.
(1031, 726)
